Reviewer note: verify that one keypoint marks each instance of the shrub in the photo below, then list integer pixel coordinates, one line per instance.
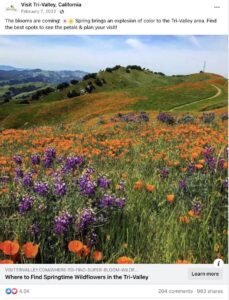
(134, 67)
(159, 73)
(47, 91)
(42, 92)
(131, 117)
(166, 118)
(109, 70)
(90, 76)
(90, 87)
(116, 67)
(62, 85)
(224, 117)
(98, 82)
(187, 119)
(24, 102)
(72, 94)
(208, 117)
(74, 81)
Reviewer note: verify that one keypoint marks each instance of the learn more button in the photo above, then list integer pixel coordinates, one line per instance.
(205, 274)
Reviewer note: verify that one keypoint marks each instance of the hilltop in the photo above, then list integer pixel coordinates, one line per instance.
(112, 90)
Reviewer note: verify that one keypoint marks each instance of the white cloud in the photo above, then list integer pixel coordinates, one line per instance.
(134, 43)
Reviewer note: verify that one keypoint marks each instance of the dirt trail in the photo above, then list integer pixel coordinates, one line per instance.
(219, 92)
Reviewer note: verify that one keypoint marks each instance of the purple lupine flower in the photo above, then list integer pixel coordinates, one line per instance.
(132, 117)
(60, 159)
(49, 156)
(208, 152)
(166, 118)
(35, 159)
(182, 185)
(25, 204)
(119, 202)
(107, 201)
(85, 219)
(60, 188)
(86, 185)
(47, 161)
(211, 163)
(91, 239)
(18, 173)
(72, 163)
(35, 229)
(27, 180)
(62, 222)
(50, 152)
(41, 188)
(191, 168)
(121, 186)
(225, 184)
(221, 163)
(196, 208)
(4, 178)
(18, 159)
(90, 170)
(103, 182)
(209, 158)
(164, 173)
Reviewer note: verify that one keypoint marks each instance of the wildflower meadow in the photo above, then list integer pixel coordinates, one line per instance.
(127, 187)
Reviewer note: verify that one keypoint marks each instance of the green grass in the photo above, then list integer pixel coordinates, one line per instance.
(152, 92)
(37, 85)
(148, 228)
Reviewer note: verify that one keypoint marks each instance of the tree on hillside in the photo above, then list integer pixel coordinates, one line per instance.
(73, 94)
(74, 81)
(134, 67)
(90, 76)
(62, 85)
(90, 87)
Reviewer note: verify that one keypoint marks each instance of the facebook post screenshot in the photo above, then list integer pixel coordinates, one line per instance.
(114, 150)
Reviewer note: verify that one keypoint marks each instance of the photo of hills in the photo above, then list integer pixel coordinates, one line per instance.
(122, 157)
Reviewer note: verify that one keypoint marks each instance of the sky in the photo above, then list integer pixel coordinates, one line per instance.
(167, 54)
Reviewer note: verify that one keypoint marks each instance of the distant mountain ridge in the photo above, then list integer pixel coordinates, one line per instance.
(9, 68)
(11, 75)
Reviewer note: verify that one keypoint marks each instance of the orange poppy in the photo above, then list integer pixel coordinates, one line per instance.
(225, 165)
(84, 251)
(191, 213)
(150, 187)
(184, 219)
(75, 246)
(170, 198)
(9, 248)
(5, 190)
(97, 255)
(201, 161)
(194, 155)
(125, 260)
(30, 250)
(6, 261)
(138, 185)
(199, 166)
(182, 261)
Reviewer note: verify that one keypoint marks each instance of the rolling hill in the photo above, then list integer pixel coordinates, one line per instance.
(116, 89)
